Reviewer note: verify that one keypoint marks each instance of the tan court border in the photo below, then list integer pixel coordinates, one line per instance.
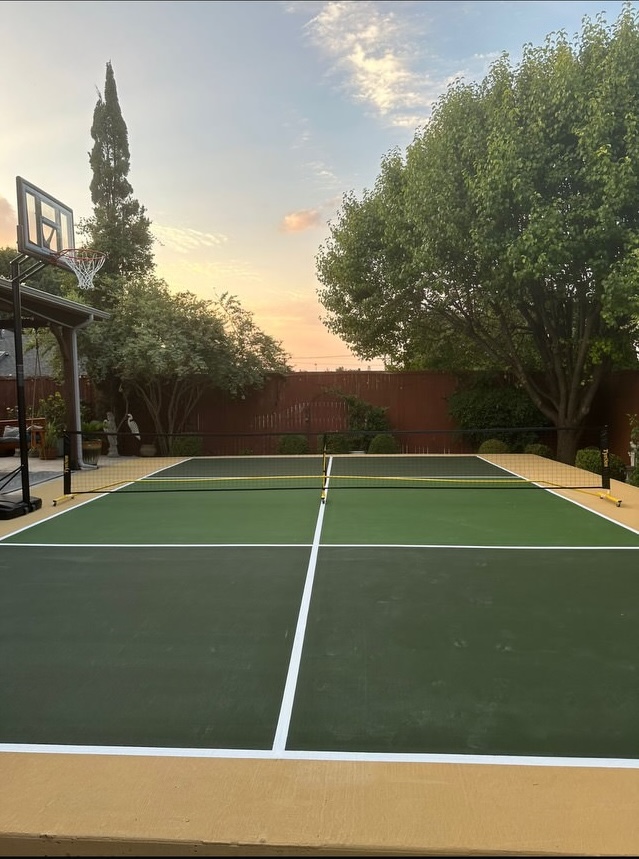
(57, 805)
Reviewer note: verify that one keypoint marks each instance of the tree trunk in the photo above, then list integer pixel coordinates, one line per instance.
(567, 444)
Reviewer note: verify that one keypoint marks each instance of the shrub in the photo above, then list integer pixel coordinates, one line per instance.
(186, 445)
(618, 469)
(494, 445)
(485, 401)
(339, 443)
(539, 450)
(365, 416)
(633, 476)
(364, 421)
(292, 444)
(383, 443)
(589, 458)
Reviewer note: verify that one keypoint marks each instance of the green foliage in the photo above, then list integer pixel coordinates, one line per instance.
(254, 353)
(168, 349)
(486, 401)
(165, 349)
(119, 225)
(93, 425)
(53, 409)
(618, 470)
(364, 420)
(48, 279)
(633, 476)
(365, 416)
(92, 429)
(51, 436)
(494, 445)
(339, 443)
(186, 445)
(633, 421)
(589, 458)
(384, 443)
(507, 235)
(539, 450)
(292, 444)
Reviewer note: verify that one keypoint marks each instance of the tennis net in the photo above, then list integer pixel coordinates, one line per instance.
(441, 461)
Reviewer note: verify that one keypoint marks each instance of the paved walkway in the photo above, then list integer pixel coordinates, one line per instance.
(40, 470)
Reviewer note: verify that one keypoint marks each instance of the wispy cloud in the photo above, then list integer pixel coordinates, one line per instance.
(323, 174)
(301, 132)
(202, 276)
(372, 53)
(185, 241)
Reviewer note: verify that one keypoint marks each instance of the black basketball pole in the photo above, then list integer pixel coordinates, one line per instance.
(9, 509)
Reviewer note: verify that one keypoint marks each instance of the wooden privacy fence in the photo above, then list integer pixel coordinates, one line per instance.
(36, 389)
(312, 403)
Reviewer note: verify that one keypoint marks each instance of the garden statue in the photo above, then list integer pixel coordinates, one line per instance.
(111, 429)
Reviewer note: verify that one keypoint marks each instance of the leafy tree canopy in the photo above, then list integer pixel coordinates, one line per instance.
(508, 235)
(119, 226)
(170, 349)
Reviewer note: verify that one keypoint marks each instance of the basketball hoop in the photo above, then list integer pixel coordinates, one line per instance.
(84, 263)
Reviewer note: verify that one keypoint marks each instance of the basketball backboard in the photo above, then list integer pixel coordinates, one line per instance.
(45, 225)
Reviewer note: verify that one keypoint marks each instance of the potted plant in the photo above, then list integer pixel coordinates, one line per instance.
(53, 409)
(49, 441)
(92, 437)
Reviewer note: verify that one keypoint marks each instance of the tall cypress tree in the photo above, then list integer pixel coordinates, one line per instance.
(119, 225)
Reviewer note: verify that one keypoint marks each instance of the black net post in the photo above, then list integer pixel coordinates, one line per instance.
(605, 459)
(66, 474)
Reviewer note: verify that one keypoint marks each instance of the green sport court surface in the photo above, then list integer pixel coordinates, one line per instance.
(496, 622)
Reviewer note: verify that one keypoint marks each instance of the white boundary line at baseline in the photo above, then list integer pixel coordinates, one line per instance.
(284, 755)
(451, 546)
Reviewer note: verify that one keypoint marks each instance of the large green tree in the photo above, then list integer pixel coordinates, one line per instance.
(508, 236)
(119, 226)
(168, 350)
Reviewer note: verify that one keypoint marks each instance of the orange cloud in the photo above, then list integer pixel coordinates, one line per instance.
(297, 222)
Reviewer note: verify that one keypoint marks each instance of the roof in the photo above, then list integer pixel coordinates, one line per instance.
(46, 307)
(43, 308)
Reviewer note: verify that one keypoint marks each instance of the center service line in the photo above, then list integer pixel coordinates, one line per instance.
(284, 721)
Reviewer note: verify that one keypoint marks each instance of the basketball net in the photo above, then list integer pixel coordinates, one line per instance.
(84, 263)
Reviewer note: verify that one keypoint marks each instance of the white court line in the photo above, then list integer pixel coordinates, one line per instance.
(286, 709)
(160, 545)
(460, 546)
(282, 754)
(321, 545)
(278, 751)
(557, 492)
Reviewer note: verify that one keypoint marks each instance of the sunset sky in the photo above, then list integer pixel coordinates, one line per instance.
(247, 123)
